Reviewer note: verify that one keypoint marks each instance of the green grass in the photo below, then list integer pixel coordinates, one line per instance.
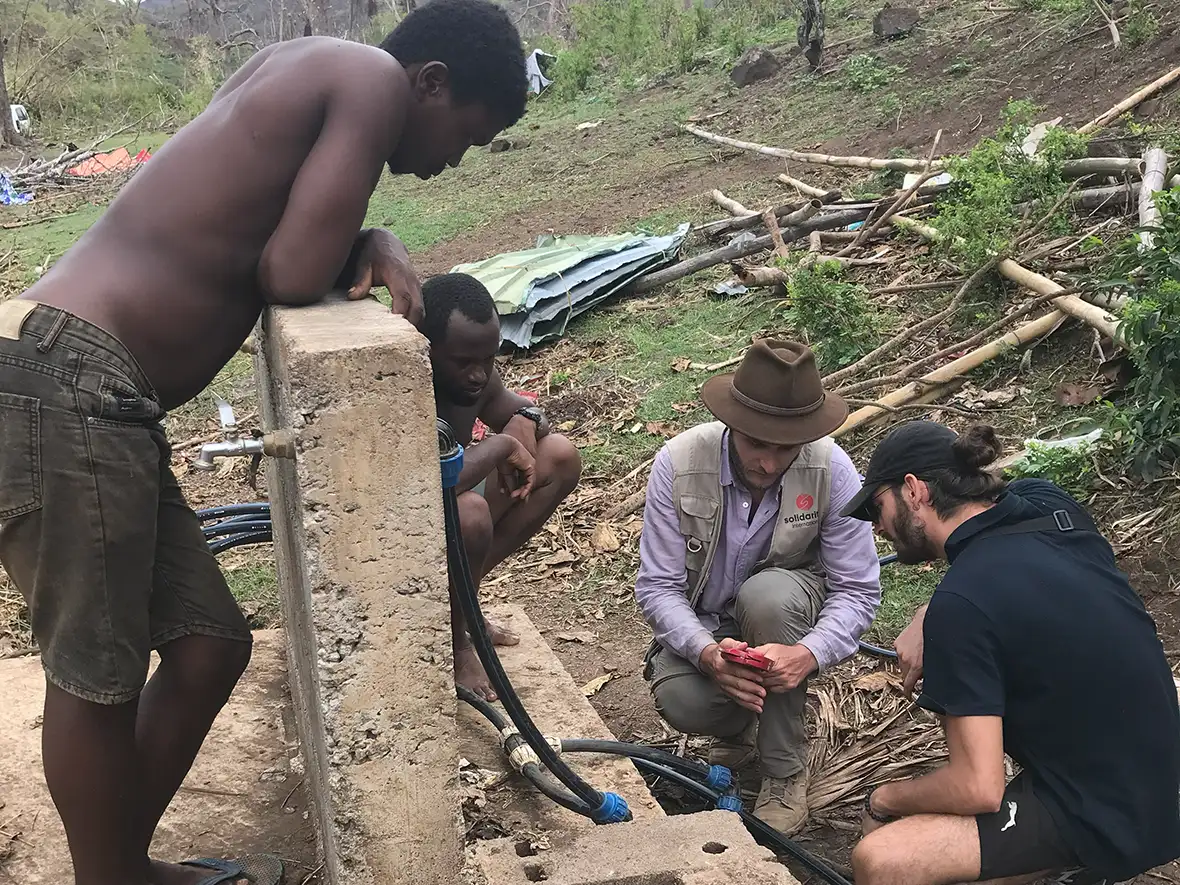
(419, 224)
(256, 588)
(903, 589)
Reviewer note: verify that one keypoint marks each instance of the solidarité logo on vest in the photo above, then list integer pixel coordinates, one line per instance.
(805, 505)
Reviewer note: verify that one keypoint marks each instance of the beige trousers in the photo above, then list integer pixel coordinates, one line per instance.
(774, 605)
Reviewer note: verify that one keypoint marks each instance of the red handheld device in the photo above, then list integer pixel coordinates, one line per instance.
(746, 657)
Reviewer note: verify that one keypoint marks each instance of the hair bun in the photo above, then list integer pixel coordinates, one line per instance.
(977, 447)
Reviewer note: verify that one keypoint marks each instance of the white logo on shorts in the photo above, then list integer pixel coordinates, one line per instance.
(1011, 817)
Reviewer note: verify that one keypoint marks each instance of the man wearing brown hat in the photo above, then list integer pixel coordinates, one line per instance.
(744, 547)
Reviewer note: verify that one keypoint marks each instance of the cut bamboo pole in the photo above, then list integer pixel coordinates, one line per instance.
(1131, 101)
(904, 165)
(732, 206)
(803, 187)
(920, 390)
(1070, 304)
(1131, 166)
(731, 253)
(1155, 162)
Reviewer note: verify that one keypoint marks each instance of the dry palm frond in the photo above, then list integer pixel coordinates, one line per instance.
(864, 733)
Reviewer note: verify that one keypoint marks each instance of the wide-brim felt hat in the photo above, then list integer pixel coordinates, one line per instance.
(775, 396)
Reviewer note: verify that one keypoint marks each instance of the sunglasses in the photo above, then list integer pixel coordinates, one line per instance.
(873, 505)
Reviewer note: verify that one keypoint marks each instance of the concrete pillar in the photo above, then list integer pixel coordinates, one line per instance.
(359, 541)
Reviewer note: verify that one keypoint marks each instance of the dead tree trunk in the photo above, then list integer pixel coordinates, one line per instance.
(7, 127)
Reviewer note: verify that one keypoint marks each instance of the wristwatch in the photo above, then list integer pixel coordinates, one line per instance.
(533, 414)
(876, 815)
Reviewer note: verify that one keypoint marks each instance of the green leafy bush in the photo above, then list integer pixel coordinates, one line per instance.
(1147, 430)
(1070, 467)
(837, 317)
(996, 176)
(866, 73)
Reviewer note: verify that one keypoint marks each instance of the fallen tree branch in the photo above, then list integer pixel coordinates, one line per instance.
(1130, 166)
(1090, 199)
(731, 253)
(803, 187)
(930, 384)
(900, 202)
(897, 341)
(1155, 163)
(1114, 29)
(745, 222)
(1070, 304)
(904, 165)
(776, 238)
(915, 287)
(627, 506)
(979, 337)
(924, 407)
(1131, 101)
(733, 207)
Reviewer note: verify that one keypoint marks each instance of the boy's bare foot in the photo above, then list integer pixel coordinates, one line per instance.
(469, 673)
(500, 634)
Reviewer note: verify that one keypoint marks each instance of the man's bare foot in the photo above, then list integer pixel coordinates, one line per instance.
(500, 634)
(469, 673)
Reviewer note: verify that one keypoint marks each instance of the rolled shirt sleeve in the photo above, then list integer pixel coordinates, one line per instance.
(853, 575)
(661, 587)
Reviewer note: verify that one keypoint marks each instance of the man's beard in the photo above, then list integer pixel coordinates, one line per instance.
(909, 537)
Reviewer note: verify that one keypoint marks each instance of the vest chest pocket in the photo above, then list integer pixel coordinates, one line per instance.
(698, 519)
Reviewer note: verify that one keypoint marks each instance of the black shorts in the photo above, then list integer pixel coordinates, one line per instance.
(1022, 838)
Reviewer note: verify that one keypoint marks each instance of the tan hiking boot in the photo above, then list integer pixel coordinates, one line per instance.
(737, 752)
(783, 802)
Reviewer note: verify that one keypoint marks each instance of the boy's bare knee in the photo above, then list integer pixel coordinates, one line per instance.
(475, 519)
(563, 461)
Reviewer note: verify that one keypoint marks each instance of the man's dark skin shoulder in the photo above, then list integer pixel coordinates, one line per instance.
(259, 199)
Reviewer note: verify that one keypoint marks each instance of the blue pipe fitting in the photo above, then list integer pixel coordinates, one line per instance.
(613, 810)
(452, 466)
(729, 803)
(720, 778)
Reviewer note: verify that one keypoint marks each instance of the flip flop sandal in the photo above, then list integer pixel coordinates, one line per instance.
(258, 869)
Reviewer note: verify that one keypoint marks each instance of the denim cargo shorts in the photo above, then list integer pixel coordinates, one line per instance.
(94, 530)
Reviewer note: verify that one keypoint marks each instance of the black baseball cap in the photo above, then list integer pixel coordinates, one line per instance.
(917, 447)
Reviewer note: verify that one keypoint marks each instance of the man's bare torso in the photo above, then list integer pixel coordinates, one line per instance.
(171, 269)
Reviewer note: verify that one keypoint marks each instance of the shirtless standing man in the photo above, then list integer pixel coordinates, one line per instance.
(260, 200)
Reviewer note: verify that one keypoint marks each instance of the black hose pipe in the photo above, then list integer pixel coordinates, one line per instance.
(716, 776)
(876, 650)
(727, 799)
(254, 508)
(243, 540)
(234, 527)
(604, 808)
(512, 744)
(764, 834)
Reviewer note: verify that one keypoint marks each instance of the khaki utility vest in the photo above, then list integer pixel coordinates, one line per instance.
(696, 491)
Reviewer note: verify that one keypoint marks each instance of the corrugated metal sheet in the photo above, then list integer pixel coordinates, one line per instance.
(538, 291)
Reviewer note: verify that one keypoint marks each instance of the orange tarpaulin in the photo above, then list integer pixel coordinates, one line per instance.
(115, 161)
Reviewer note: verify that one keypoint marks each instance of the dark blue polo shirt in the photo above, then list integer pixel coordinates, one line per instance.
(1044, 630)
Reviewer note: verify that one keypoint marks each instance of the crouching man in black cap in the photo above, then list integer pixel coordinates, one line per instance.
(1035, 645)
